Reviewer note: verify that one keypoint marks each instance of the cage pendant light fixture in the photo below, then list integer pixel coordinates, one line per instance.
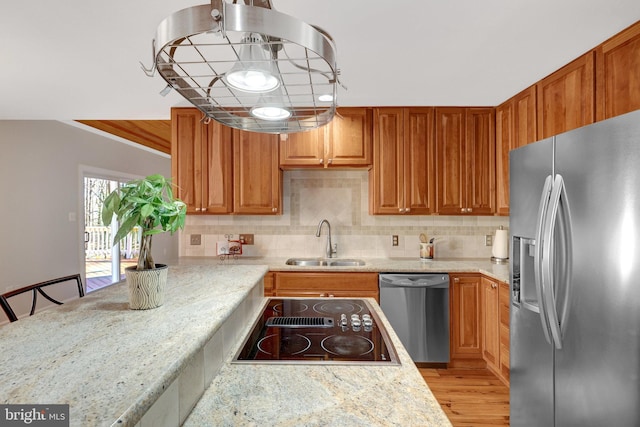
(248, 66)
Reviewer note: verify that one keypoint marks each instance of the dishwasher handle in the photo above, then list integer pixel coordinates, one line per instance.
(414, 281)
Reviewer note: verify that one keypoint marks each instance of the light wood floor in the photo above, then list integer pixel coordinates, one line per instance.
(469, 397)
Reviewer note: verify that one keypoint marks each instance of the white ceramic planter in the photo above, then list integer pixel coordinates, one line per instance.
(146, 287)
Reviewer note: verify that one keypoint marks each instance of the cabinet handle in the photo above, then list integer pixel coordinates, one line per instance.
(463, 210)
(330, 161)
(274, 210)
(401, 210)
(456, 280)
(203, 209)
(407, 210)
(469, 210)
(321, 161)
(197, 209)
(493, 285)
(330, 295)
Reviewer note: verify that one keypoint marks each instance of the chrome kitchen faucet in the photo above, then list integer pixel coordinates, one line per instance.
(332, 250)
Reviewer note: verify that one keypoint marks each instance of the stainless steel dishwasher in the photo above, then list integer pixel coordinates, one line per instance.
(417, 306)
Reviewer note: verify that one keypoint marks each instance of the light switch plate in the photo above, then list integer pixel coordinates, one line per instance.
(196, 239)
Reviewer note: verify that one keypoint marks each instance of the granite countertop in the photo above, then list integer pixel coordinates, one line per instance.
(306, 395)
(378, 265)
(109, 362)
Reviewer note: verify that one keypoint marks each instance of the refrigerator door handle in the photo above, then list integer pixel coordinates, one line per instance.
(548, 262)
(539, 256)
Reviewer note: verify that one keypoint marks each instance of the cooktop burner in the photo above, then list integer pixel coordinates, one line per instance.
(317, 330)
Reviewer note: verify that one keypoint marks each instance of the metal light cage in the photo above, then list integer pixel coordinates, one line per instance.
(196, 46)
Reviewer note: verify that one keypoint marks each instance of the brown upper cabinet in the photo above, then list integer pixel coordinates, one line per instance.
(257, 179)
(401, 180)
(515, 127)
(618, 74)
(344, 142)
(201, 163)
(566, 98)
(465, 160)
(219, 171)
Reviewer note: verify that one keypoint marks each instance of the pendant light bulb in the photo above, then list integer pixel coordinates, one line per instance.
(254, 71)
(271, 106)
(271, 113)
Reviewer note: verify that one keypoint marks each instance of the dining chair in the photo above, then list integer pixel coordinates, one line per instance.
(37, 289)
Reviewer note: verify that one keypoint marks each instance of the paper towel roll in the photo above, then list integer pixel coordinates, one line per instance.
(500, 248)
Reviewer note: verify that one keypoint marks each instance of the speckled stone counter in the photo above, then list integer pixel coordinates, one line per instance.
(308, 395)
(109, 363)
(379, 265)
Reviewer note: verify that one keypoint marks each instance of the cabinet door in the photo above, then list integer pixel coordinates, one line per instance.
(303, 149)
(186, 163)
(257, 177)
(515, 127)
(480, 154)
(386, 176)
(350, 139)
(504, 293)
(466, 347)
(618, 68)
(566, 97)
(490, 324)
(419, 163)
(450, 160)
(217, 177)
(525, 118)
(504, 141)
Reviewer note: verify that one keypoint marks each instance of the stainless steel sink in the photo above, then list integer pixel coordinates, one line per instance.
(346, 262)
(325, 262)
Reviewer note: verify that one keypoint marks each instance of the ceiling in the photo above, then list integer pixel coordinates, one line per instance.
(79, 59)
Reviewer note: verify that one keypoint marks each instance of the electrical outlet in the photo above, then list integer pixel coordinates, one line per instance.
(196, 239)
(488, 240)
(394, 240)
(246, 239)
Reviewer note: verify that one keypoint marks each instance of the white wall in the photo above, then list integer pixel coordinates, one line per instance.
(39, 189)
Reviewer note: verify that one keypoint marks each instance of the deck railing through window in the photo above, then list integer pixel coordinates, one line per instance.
(98, 241)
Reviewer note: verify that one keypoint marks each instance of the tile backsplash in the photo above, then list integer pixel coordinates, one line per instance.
(342, 198)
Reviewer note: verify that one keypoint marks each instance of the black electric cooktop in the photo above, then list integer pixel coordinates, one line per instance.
(318, 330)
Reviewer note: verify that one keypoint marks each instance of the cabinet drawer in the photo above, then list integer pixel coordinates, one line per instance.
(324, 294)
(308, 282)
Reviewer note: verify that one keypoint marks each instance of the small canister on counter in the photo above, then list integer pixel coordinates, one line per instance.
(426, 250)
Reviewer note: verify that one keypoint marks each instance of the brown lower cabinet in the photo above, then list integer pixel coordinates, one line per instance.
(504, 293)
(324, 284)
(479, 323)
(465, 320)
(479, 308)
(490, 324)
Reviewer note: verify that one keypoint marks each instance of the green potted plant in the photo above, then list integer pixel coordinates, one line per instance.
(149, 204)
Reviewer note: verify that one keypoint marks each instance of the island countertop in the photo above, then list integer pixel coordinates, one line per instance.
(306, 395)
(110, 363)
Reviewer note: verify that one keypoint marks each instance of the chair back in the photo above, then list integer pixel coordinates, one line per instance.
(35, 290)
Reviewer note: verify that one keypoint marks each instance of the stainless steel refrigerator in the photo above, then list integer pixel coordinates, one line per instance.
(575, 277)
